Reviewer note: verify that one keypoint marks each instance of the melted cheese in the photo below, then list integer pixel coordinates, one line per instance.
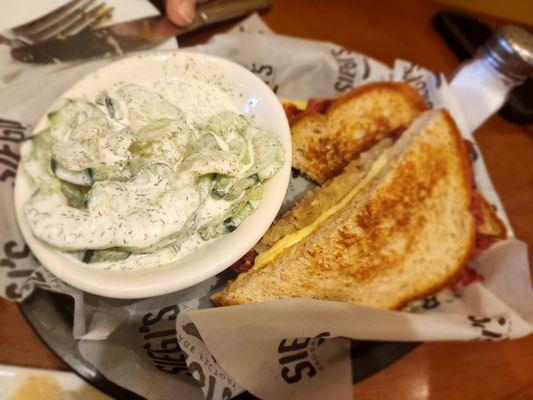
(293, 238)
(300, 104)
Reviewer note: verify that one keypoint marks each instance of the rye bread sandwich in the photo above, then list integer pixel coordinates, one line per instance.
(399, 221)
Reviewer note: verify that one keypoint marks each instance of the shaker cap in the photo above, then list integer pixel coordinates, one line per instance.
(510, 51)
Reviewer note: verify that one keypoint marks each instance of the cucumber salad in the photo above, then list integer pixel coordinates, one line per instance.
(129, 180)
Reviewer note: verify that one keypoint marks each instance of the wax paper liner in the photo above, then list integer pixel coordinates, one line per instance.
(178, 345)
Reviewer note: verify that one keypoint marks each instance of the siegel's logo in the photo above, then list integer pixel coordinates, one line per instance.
(267, 75)
(348, 69)
(299, 357)
(498, 328)
(203, 367)
(11, 134)
(15, 270)
(161, 344)
(415, 76)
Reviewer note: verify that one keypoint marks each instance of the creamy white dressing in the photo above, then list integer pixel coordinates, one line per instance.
(92, 144)
(154, 215)
(196, 99)
(143, 261)
(135, 214)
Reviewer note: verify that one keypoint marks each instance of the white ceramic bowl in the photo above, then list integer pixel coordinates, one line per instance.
(253, 98)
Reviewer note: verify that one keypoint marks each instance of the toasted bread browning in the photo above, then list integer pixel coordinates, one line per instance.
(407, 233)
(323, 144)
(314, 203)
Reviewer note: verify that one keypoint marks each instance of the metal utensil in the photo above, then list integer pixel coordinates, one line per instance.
(68, 19)
(133, 35)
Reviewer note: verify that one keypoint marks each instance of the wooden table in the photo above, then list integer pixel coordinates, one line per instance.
(388, 30)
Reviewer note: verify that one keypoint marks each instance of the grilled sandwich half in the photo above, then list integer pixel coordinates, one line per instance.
(394, 226)
(331, 133)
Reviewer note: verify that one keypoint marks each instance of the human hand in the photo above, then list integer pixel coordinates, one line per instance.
(181, 12)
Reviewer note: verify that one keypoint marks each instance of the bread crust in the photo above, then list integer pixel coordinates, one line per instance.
(410, 94)
(322, 148)
(468, 176)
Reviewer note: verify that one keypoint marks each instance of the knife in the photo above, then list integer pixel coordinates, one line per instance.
(129, 36)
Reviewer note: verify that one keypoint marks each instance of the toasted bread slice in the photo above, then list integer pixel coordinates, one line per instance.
(404, 235)
(323, 144)
(314, 203)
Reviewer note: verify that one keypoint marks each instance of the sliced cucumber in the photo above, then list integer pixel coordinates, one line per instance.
(240, 146)
(76, 195)
(145, 106)
(71, 114)
(166, 141)
(205, 184)
(237, 214)
(86, 147)
(226, 124)
(78, 255)
(213, 162)
(221, 185)
(107, 255)
(269, 156)
(93, 143)
(233, 222)
(165, 128)
(213, 230)
(207, 142)
(35, 154)
(103, 173)
(89, 176)
(112, 106)
(242, 185)
(269, 171)
(111, 172)
(81, 178)
(218, 228)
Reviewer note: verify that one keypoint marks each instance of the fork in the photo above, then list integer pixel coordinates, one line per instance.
(66, 20)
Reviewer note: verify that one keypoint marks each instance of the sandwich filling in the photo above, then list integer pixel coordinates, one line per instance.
(295, 237)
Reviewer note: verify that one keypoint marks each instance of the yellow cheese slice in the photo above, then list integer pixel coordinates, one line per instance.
(291, 239)
(300, 104)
